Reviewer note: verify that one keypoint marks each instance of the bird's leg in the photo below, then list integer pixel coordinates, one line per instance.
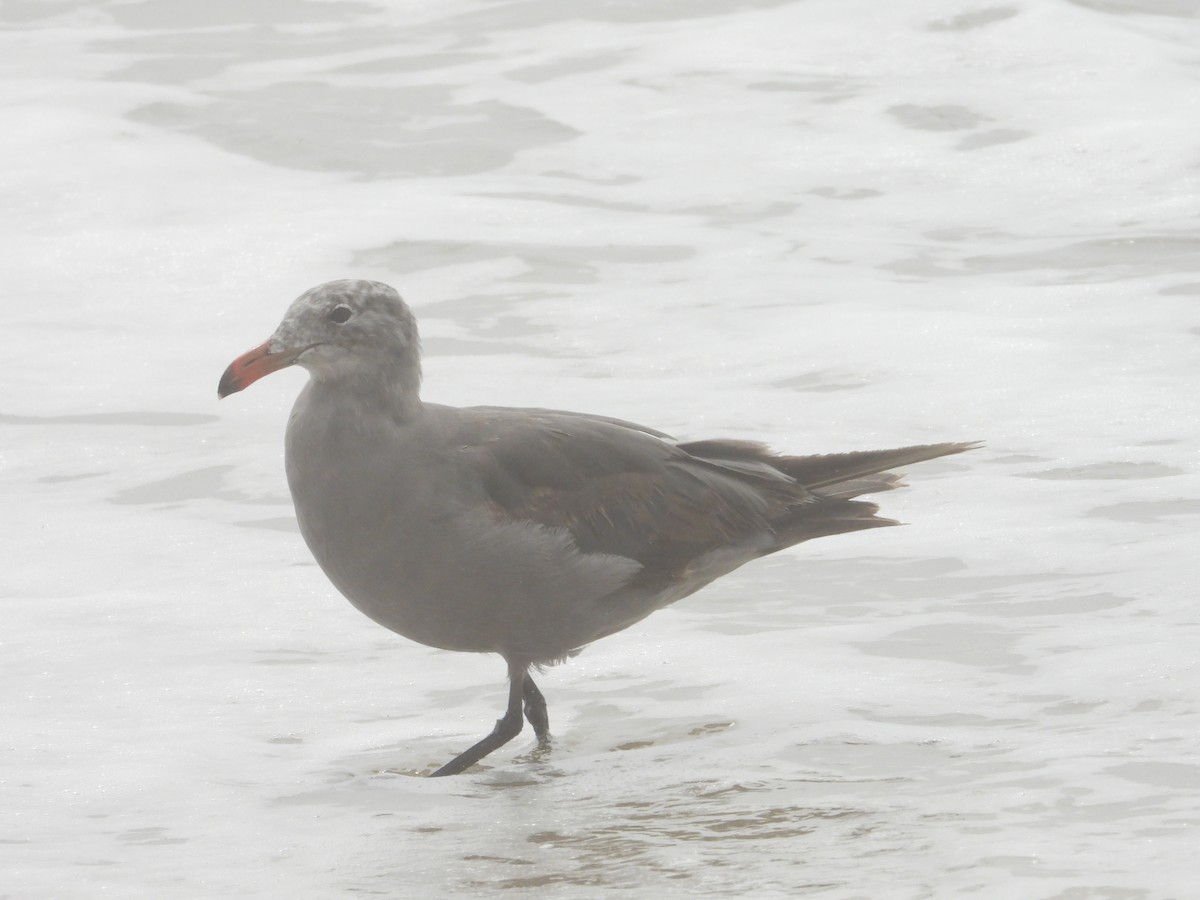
(535, 710)
(507, 727)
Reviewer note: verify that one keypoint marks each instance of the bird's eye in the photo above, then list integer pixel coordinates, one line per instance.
(340, 315)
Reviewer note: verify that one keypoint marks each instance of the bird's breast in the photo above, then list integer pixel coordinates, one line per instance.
(403, 529)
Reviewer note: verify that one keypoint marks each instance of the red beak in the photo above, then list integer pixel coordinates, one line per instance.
(253, 365)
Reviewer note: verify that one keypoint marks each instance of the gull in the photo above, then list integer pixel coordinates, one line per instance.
(529, 533)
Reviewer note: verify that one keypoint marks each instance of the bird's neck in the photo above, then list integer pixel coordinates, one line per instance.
(393, 391)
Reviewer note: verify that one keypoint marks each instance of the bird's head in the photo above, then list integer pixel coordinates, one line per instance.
(348, 329)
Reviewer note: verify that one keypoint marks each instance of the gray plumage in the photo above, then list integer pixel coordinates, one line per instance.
(524, 532)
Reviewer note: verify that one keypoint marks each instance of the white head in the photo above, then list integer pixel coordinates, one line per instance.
(348, 330)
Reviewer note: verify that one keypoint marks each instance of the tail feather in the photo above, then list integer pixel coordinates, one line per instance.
(815, 472)
(855, 487)
(829, 518)
(830, 482)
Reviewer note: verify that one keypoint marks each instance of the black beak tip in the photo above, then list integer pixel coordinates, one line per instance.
(228, 384)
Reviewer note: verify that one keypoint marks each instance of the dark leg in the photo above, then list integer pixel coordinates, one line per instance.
(535, 710)
(507, 727)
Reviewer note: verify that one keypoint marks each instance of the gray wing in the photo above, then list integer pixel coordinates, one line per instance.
(623, 489)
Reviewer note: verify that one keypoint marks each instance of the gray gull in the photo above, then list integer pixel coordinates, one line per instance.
(524, 532)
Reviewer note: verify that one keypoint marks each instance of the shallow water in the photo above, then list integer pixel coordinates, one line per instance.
(823, 225)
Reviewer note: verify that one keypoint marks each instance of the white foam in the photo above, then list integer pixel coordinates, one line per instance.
(828, 225)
